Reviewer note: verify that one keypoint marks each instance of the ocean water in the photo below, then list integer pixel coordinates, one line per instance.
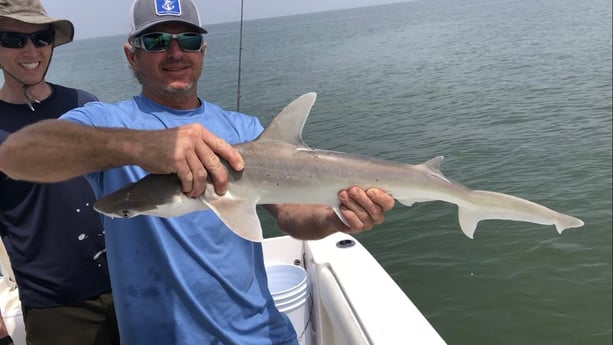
(517, 96)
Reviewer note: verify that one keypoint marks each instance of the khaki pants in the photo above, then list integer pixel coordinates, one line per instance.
(91, 322)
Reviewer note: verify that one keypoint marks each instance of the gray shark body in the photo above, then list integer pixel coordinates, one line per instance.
(281, 168)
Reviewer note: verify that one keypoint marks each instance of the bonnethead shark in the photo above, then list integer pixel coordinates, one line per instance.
(281, 168)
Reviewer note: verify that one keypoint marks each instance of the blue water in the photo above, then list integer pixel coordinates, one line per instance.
(515, 94)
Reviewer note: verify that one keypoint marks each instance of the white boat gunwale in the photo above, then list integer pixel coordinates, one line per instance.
(353, 300)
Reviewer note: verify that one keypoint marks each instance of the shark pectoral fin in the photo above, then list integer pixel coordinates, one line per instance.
(468, 220)
(340, 216)
(240, 216)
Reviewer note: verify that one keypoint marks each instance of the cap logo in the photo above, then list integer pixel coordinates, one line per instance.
(167, 8)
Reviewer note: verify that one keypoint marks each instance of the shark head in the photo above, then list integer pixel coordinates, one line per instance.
(154, 194)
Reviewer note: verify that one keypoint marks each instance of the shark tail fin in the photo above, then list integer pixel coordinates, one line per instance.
(491, 205)
(565, 222)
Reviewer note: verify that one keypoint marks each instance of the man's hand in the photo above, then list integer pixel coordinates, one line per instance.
(363, 209)
(193, 153)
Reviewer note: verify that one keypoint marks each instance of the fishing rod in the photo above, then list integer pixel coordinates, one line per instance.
(240, 58)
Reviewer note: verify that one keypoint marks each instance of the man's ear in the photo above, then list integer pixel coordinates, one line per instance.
(130, 53)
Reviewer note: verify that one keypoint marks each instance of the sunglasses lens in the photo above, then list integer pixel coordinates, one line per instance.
(43, 38)
(190, 41)
(12, 40)
(156, 41)
(19, 40)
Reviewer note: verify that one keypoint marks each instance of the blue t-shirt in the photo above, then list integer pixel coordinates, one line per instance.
(54, 238)
(185, 280)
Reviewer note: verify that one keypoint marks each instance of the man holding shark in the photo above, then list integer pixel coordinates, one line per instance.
(187, 279)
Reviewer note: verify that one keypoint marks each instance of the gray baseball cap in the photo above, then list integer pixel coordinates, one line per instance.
(32, 12)
(147, 13)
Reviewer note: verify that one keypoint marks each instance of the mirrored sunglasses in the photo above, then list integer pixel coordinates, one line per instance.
(160, 41)
(18, 40)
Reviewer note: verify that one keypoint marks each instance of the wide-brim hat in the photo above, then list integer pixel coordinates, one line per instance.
(32, 12)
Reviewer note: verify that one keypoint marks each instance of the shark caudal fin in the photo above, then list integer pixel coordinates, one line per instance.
(484, 205)
(566, 222)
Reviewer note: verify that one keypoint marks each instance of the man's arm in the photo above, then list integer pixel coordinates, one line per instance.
(56, 150)
(362, 209)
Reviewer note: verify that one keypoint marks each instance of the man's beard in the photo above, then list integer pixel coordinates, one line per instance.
(185, 88)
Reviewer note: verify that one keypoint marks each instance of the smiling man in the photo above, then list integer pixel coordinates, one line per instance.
(53, 237)
(185, 280)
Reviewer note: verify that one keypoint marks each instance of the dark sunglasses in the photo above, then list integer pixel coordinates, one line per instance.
(18, 40)
(160, 41)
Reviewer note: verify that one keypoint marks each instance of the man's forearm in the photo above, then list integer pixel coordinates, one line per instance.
(305, 222)
(56, 150)
(361, 211)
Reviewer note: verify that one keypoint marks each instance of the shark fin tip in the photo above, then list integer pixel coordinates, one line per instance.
(567, 223)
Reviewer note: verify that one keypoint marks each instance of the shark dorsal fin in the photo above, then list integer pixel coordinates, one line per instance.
(287, 125)
(434, 165)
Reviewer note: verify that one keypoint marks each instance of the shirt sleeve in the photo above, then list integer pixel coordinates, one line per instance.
(248, 127)
(92, 114)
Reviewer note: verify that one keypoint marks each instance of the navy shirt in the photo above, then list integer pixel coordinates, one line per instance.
(54, 238)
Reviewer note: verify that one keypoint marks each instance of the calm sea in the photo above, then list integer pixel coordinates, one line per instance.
(515, 94)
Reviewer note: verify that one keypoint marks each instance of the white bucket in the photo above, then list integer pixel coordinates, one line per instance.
(290, 292)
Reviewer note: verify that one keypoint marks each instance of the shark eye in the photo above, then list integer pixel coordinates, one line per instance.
(125, 213)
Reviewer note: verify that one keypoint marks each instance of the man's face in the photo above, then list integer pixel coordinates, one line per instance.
(168, 73)
(29, 63)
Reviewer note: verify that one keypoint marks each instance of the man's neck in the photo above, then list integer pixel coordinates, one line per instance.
(12, 91)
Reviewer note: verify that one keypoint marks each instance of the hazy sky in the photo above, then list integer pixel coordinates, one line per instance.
(95, 18)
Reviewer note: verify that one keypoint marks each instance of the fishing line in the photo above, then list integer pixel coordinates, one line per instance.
(259, 106)
(240, 61)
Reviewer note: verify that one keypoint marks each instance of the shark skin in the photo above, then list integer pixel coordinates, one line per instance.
(281, 168)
